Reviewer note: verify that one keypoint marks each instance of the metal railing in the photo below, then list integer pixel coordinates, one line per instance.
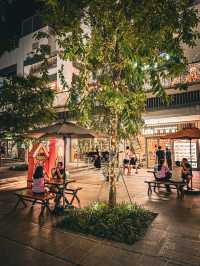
(175, 100)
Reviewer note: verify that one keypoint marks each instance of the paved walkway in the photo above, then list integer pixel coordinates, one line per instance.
(172, 239)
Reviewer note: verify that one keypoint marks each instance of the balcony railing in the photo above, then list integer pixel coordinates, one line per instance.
(175, 100)
(35, 63)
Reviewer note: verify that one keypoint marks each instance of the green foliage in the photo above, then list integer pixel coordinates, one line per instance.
(120, 47)
(19, 167)
(25, 103)
(124, 223)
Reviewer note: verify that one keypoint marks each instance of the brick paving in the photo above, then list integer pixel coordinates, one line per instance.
(173, 239)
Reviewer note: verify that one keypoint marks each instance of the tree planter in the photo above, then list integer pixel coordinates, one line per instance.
(123, 223)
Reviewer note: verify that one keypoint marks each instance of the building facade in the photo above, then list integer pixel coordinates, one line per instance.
(183, 109)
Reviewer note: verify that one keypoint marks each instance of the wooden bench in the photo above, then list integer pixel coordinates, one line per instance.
(62, 190)
(29, 195)
(153, 184)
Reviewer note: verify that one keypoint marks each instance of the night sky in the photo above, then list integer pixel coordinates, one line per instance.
(12, 12)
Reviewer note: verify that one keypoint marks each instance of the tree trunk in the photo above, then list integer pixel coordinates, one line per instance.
(113, 159)
(112, 192)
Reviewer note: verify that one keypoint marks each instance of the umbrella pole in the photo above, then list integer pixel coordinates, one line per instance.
(191, 151)
(65, 144)
(191, 158)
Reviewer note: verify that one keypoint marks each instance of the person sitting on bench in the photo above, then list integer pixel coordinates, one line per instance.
(163, 173)
(186, 172)
(58, 172)
(177, 172)
(38, 180)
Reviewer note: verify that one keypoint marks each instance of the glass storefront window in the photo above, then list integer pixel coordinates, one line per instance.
(182, 150)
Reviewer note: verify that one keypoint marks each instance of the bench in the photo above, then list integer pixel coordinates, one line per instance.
(62, 190)
(29, 195)
(179, 186)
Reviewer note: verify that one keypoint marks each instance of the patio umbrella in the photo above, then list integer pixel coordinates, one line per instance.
(63, 130)
(186, 133)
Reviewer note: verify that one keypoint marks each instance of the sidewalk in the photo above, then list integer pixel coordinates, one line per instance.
(12, 180)
(172, 239)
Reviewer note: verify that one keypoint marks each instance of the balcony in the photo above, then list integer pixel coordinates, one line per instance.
(190, 77)
(35, 62)
(189, 98)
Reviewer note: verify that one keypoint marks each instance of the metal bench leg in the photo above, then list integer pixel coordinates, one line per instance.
(16, 205)
(154, 187)
(67, 201)
(34, 203)
(182, 192)
(57, 199)
(149, 190)
(75, 197)
(178, 192)
(43, 208)
(72, 199)
(78, 200)
(20, 199)
(46, 205)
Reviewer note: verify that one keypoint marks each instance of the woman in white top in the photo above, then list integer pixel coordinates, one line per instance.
(177, 172)
(38, 180)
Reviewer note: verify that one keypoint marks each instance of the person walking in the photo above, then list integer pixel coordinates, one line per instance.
(168, 157)
(126, 161)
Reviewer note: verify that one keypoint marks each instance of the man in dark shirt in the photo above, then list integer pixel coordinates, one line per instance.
(160, 155)
(168, 157)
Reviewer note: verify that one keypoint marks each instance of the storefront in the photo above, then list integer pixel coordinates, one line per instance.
(150, 139)
(80, 148)
(145, 145)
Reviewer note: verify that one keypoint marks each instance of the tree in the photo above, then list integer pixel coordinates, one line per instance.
(26, 102)
(123, 47)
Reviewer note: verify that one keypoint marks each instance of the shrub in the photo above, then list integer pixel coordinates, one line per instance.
(124, 223)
